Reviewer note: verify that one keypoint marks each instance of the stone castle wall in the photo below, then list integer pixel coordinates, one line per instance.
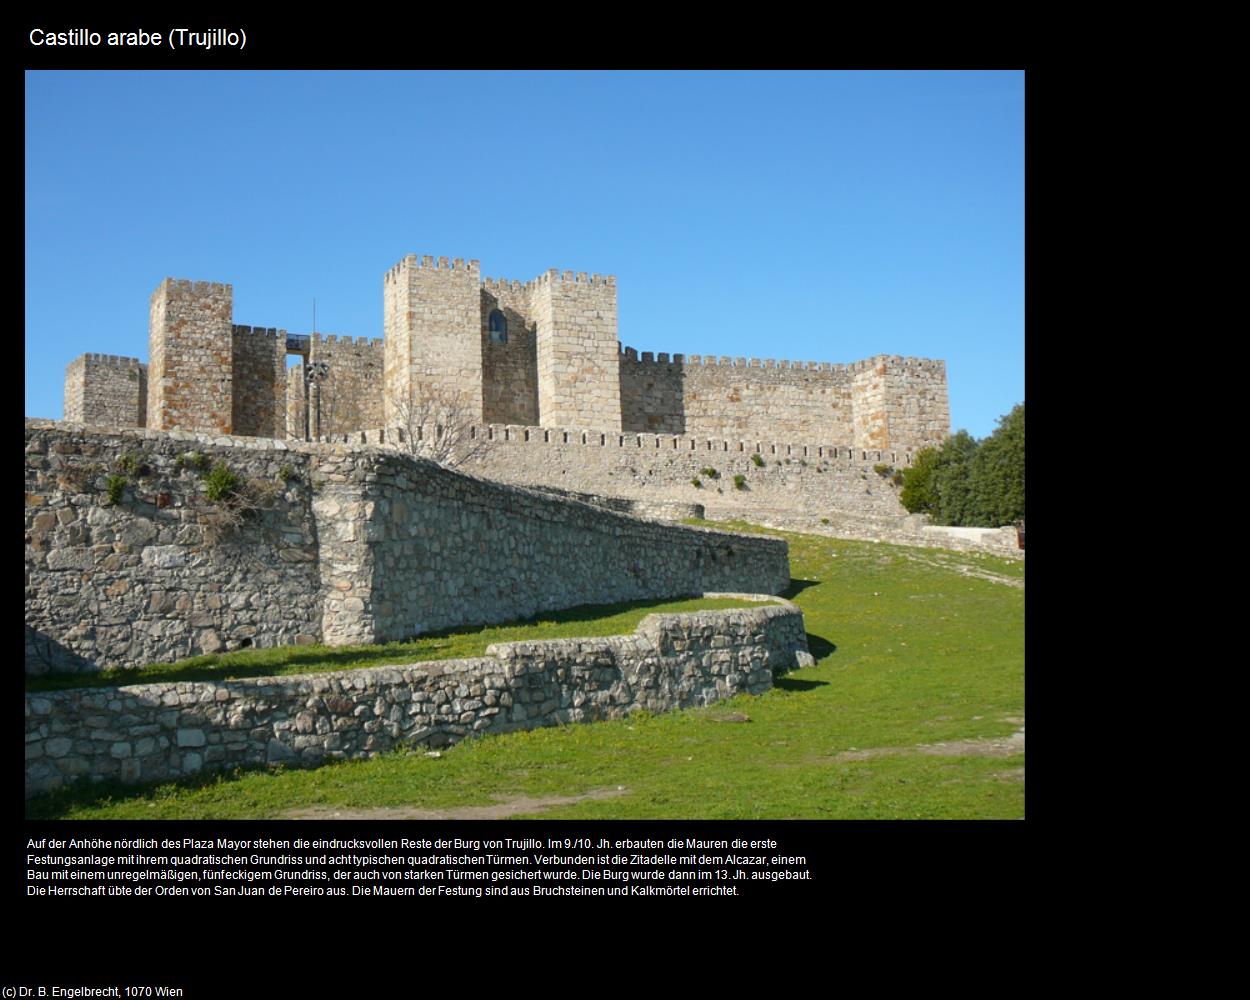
(577, 348)
(561, 365)
(259, 368)
(349, 545)
(509, 370)
(431, 316)
(351, 395)
(815, 481)
(191, 356)
(107, 391)
(164, 731)
(735, 397)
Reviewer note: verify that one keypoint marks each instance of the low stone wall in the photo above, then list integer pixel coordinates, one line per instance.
(154, 732)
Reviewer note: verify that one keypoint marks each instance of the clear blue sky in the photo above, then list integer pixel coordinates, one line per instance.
(810, 216)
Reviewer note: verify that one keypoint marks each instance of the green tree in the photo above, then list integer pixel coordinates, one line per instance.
(917, 493)
(952, 482)
(998, 471)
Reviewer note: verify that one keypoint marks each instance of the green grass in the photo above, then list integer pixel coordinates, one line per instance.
(450, 644)
(910, 650)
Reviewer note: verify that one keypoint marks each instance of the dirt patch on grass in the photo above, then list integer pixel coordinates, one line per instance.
(1004, 746)
(502, 809)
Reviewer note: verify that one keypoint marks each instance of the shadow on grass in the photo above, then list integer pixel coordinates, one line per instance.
(820, 647)
(797, 587)
(93, 795)
(787, 683)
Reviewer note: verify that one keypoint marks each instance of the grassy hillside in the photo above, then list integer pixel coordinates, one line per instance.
(915, 708)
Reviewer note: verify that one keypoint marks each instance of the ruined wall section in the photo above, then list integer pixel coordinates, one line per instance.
(579, 382)
(337, 544)
(435, 548)
(152, 732)
(509, 370)
(158, 575)
(258, 357)
(351, 395)
(191, 357)
(432, 312)
(104, 390)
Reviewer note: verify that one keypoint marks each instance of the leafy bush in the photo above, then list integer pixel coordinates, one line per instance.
(286, 473)
(740, 482)
(131, 464)
(755, 457)
(883, 470)
(709, 473)
(697, 483)
(113, 487)
(220, 482)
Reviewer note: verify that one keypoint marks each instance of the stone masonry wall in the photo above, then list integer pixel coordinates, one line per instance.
(349, 545)
(106, 390)
(190, 357)
(156, 732)
(736, 397)
(140, 581)
(578, 351)
(432, 312)
(259, 369)
(815, 481)
(423, 548)
(509, 370)
(351, 395)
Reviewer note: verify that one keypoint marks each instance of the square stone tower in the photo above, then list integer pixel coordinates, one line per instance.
(191, 357)
(579, 379)
(432, 326)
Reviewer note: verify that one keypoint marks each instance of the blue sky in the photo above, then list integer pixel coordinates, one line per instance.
(821, 216)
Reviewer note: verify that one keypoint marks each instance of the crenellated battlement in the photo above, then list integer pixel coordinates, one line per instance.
(507, 285)
(195, 287)
(556, 276)
(551, 357)
(114, 360)
(471, 436)
(266, 332)
(333, 339)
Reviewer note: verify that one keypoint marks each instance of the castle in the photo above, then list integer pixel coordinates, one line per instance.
(539, 354)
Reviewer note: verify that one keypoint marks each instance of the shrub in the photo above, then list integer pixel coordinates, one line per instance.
(697, 483)
(220, 482)
(709, 473)
(883, 470)
(755, 457)
(131, 464)
(286, 473)
(740, 482)
(196, 460)
(113, 487)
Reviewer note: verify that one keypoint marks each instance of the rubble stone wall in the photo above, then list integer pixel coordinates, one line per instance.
(156, 732)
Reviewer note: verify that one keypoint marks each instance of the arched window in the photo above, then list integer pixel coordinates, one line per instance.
(498, 327)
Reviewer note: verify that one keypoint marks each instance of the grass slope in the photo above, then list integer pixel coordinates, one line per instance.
(914, 648)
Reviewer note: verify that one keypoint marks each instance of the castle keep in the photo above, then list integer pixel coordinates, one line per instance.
(539, 354)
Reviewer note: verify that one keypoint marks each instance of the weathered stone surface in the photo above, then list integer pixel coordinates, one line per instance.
(392, 546)
(671, 661)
